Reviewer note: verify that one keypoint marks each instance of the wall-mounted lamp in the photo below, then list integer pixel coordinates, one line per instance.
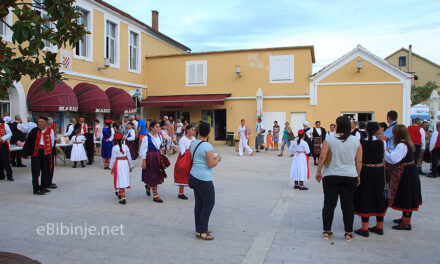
(359, 65)
(106, 64)
(238, 71)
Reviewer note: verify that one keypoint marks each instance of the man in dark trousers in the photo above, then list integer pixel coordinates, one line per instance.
(70, 133)
(19, 131)
(39, 145)
(5, 164)
(90, 145)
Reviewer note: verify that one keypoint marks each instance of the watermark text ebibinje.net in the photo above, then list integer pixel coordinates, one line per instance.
(85, 230)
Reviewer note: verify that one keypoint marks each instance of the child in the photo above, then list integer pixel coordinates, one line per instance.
(167, 139)
(121, 165)
(90, 145)
(78, 153)
(269, 140)
(130, 138)
(299, 171)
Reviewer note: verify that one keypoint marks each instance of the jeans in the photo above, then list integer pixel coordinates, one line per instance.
(285, 141)
(204, 195)
(344, 187)
(259, 141)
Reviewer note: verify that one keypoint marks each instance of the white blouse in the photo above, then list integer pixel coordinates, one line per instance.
(157, 141)
(303, 147)
(397, 154)
(116, 153)
(130, 135)
(242, 131)
(184, 144)
(80, 139)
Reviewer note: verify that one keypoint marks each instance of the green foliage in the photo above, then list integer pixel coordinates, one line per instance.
(421, 93)
(31, 30)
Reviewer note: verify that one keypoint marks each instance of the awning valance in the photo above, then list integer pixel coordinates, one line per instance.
(120, 101)
(182, 100)
(91, 99)
(60, 99)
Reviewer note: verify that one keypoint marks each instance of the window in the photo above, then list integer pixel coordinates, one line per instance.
(5, 31)
(82, 47)
(134, 51)
(361, 116)
(281, 69)
(110, 42)
(2, 29)
(196, 73)
(402, 61)
(39, 8)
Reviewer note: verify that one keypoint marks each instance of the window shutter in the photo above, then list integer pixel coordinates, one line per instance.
(192, 73)
(285, 69)
(200, 73)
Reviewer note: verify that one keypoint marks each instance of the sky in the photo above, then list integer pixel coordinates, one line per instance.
(333, 27)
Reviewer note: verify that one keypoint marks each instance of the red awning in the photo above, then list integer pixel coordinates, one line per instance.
(91, 99)
(120, 101)
(60, 99)
(180, 100)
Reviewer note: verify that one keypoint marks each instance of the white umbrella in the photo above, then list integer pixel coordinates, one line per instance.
(260, 103)
(433, 107)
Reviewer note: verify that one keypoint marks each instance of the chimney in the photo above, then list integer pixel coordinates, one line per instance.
(155, 20)
(409, 58)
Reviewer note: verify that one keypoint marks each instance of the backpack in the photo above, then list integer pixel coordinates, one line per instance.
(184, 163)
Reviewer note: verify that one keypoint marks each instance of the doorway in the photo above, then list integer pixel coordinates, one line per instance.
(217, 120)
(297, 121)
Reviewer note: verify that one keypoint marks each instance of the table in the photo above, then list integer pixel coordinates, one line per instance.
(13, 147)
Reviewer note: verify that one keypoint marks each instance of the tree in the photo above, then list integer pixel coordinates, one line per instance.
(38, 23)
(421, 93)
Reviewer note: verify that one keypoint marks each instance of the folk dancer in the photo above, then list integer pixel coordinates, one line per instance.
(361, 130)
(369, 197)
(434, 148)
(90, 145)
(78, 151)
(83, 125)
(19, 131)
(355, 129)
(317, 134)
(299, 170)
(121, 165)
(5, 160)
(405, 191)
(130, 138)
(70, 132)
(180, 179)
(39, 145)
(108, 134)
(417, 134)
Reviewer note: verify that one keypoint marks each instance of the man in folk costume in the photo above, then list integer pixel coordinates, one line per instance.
(434, 148)
(5, 163)
(355, 130)
(317, 134)
(83, 126)
(39, 146)
(417, 134)
(362, 127)
(51, 185)
(70, 133)
(19, 131)
(307, 139)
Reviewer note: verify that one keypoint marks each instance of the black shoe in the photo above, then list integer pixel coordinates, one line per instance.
(397, 221)
(148, 190)
(89, 163)
(376, 230)
(182, 196)
(296, 187)
(74, 166)
(52, 186)
(291, 155)
(2, 178)
(11, 179)
(402, 227)
(430, 175)
(45, 190)
(362, 233)
(303, 188)
(39, 193)
(122, 202)
(157, 200)
(20, 166)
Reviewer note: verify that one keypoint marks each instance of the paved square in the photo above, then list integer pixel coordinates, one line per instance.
(258, 218)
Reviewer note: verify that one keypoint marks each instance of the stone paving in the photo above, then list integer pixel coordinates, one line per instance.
(258, 218)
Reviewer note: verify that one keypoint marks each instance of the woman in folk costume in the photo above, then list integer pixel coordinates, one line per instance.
(129, 138)
(78, 152)
(243, 133)
(405, 192)
(151, 160)
(369, 197)
(299, 171)
(180, 178)
(121, 165)
(317, 134)
(107, 143)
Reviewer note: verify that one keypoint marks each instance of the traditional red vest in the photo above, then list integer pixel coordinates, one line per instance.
(84, 128)
(3, 131)
(416, 136)
(437, 143)
(47, 140)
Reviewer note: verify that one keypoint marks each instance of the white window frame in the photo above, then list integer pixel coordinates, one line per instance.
(205, 73)
(357, 113)
(7, 32)
(287, 79)
(139, 47)
(114, 20)
(53, 48)
(89, 37)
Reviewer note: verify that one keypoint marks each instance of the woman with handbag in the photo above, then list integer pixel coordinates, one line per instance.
(151, 161)
(341, 176)
(180, 178)
(200, 179)
(369, 198)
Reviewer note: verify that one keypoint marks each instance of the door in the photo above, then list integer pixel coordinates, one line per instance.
(220, 124)
(296, 121)
(268, 119)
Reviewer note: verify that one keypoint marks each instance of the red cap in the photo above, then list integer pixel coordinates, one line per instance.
(300, 132)
(90, 127)
(118, 136)
(108, 121)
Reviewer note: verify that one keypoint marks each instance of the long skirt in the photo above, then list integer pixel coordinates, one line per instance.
(408, 196)
(131, 147)
(121, 174)
(152, 175)
(106, 149)
(78, 153)
(317, 142)
(369, 198)
(299, 171)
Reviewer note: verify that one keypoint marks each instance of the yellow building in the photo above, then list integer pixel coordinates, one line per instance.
(220, 87)
(423, 69)
(111, 56)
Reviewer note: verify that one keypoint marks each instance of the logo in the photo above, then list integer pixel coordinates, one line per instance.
(68, 109)
(65, 60)
(102, 110)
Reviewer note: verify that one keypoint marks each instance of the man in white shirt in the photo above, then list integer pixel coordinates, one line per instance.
(332, 130)
(260, 135)
(5, 164)
(30, 125)
(434, 148)
(83, 125)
